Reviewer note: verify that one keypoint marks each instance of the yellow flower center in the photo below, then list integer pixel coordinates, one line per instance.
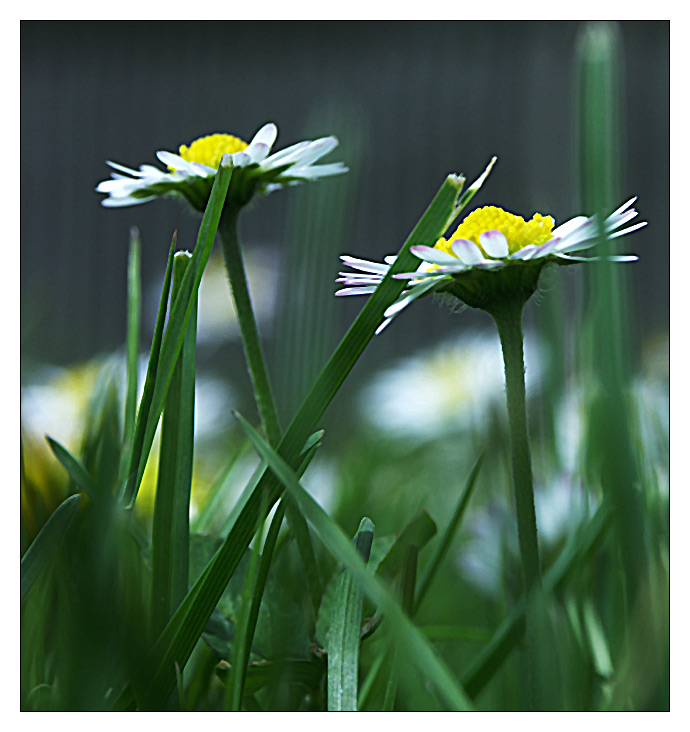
(516, 230)
(209, 150)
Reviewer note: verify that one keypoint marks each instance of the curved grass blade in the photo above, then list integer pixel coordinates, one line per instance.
(42, 549)
(412, 645)
(76, 471)
(345, 631)
(448, 534)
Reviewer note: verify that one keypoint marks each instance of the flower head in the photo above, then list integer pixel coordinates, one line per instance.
(493, 254)
(191, 172)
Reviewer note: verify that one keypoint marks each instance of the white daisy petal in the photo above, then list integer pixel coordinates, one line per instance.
(430, 254)
(494, 244)
(241, 159)
(356, 291)
(390, 259)
(123, 169)
(468, 252)
(265, 136)
(524, 253)
(622, 208)
(117, 202)
(317, 171)
(628, 230)
(364, 265)
(568, 227)
(383, 325)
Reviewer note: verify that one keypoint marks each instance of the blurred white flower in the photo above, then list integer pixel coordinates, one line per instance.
(449, 387)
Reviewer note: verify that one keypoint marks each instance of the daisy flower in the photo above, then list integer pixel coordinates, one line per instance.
(490, 253)
(190, 172)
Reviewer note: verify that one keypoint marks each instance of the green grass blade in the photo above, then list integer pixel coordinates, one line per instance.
(418, 532)
(416, 649)
(42, 549)
(170, 534)
(448, 534)
(133, 334)
(305, 547)
(248, 627)
(345, 631)
(76, 471)
(180, 313)
(511, 631)
(184, 629)
(134, 454)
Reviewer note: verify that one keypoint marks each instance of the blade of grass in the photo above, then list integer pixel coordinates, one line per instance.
(246, 626)
(448, 534)
(418, 532)
(170, 533)
(76, 471)
(510, 632)
(184, 629)
(43, 548)
(233, 691)
(180, 312)
(151, 368)
(132, 344)
(344, 633)
(416, 649)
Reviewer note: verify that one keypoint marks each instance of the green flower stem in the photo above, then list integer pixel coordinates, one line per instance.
(509, 322)
(245, 316)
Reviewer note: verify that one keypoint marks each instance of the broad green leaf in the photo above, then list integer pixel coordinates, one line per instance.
(42, 549)
(345, 631)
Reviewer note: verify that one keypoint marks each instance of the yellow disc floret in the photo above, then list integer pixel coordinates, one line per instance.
(516, 230)
(209, 150)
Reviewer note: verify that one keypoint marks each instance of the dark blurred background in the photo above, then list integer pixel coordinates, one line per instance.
(410, 102)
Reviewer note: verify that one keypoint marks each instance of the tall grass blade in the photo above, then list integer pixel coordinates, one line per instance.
(247, 626)
(180, 313)
(42, 549)
(134, 454)
(132, 344)
(448, 534)
(345, 631)
(170, 533)
(600, 144)
(412, 645)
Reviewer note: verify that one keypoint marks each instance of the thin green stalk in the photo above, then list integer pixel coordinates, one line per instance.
(263, 394)
(509, 323)
(237, 276)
